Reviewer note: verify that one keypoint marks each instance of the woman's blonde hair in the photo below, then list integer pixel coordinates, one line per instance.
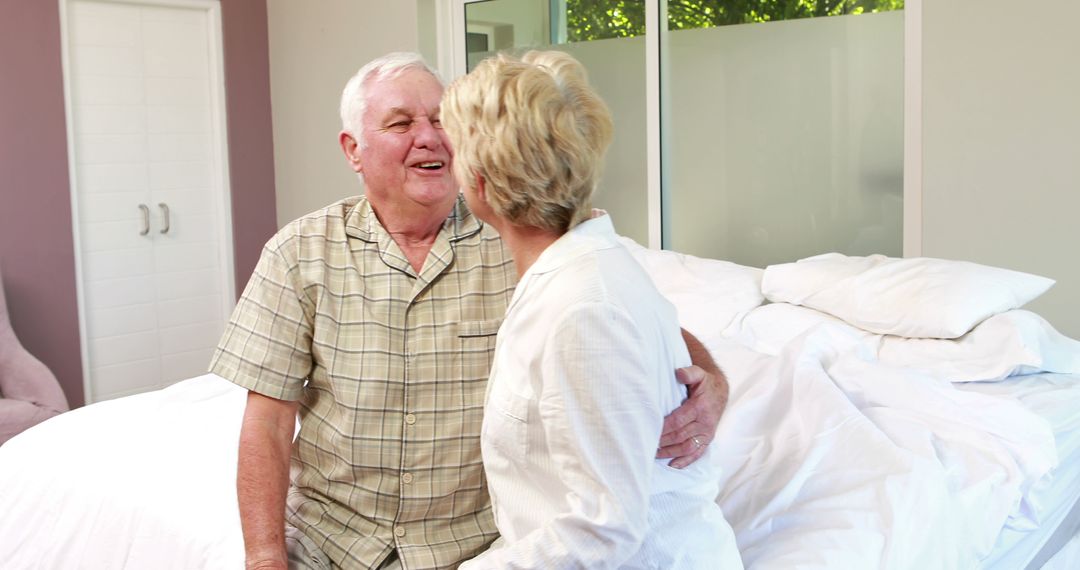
(536, 132)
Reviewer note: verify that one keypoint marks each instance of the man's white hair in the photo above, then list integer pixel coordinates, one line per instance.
(354, 96)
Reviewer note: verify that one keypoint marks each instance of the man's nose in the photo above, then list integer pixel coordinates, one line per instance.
(427, 136)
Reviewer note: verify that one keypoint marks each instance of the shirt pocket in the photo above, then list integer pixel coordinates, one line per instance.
(506, 423)
(465, 370)
(476, 348)
(474, 329)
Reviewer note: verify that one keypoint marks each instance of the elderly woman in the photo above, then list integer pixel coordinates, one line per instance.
(582, 375)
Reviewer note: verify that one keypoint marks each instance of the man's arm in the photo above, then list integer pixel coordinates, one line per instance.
(689, 429)
(262, 479)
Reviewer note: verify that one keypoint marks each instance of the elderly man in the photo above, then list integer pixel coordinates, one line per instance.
(375, 318)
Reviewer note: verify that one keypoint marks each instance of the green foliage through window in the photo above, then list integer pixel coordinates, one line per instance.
(599, 19)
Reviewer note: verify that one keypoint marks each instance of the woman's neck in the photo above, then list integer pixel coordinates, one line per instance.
(526, 243)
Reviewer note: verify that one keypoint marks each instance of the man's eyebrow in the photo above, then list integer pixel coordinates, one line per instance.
(403, 111)
(394, 111)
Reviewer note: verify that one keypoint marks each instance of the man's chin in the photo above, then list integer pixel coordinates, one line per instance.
(433, 195)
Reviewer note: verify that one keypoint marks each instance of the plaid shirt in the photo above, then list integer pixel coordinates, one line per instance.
(390, 367)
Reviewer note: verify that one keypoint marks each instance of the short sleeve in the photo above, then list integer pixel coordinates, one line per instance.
(266, 346)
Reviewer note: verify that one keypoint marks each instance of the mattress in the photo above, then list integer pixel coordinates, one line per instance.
(1056, 398)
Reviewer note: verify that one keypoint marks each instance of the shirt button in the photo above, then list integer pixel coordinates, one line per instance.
(399, 531)
(410, 419)
(407, 477)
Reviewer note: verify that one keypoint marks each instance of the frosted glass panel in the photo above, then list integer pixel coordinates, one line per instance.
(784, 139)
(616, 70)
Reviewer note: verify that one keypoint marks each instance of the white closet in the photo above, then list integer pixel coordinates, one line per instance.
(149, 189)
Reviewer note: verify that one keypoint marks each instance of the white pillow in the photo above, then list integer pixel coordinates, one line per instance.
(1008, 344)
(918, 297)
(708, 293)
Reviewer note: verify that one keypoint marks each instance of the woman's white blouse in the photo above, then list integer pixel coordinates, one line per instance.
(584, 373)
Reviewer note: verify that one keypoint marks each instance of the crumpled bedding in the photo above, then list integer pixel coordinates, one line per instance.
(832, 459)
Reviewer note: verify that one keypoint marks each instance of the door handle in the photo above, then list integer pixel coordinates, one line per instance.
(145, 219)
(164, 217)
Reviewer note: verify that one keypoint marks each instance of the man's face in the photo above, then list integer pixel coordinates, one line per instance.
(406, 160)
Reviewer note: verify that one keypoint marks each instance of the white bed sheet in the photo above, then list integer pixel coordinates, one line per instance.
(146, 481)
(834, 460)
(1056, 398)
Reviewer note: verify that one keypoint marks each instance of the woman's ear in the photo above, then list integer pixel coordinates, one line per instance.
(351, 149)
(480, 192)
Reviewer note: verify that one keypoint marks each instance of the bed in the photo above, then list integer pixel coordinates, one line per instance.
(884, 413)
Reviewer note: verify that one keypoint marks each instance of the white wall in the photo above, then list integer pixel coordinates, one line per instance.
(315, 47)
(1001, 142)
(427, 27)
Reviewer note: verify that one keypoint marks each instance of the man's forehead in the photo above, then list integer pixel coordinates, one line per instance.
(406, 82)
(391, 96)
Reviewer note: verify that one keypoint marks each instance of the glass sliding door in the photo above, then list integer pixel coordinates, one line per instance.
(782, 128)
(613, 53)
(781, 123)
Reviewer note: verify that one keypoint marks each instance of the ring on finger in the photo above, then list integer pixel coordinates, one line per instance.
(697, 442)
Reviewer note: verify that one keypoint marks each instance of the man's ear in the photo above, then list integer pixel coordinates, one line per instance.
(351, 149)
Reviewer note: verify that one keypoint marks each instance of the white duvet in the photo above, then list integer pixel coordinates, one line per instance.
(834, 460)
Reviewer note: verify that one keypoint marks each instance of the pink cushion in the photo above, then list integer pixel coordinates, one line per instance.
(29, 392)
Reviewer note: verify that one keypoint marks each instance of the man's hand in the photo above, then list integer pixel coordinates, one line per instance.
(691, 427)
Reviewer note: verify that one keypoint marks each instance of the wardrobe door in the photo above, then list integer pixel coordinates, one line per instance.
(148, 161)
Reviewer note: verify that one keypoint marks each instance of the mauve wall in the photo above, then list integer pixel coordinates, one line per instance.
(36, 244)
(37, 256)
(251, 140)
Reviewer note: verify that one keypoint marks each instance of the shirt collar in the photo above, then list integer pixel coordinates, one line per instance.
(588, 236)
(362, 223)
